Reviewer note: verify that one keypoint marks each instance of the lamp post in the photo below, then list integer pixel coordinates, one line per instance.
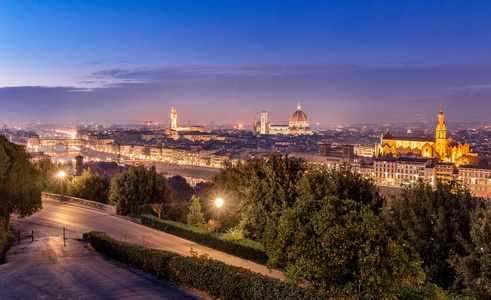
(61, 175)
(218, 203)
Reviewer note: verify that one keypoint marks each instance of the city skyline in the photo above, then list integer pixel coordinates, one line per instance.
(349, 62)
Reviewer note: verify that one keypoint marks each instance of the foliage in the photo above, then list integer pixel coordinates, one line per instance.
(90, 186)
(229, 282)
(211, 225)
(195, 216)
(245, 248)
(4, 229)
(5, 244)
(155, 262)
(424, 292)
(259, 190)
(47, 174)
(340, 245)
(234, 234)
(181, 196)
(158, 208)
(20, 192)
(137, 186)
(342, 182)
(213, 277)
(437, 223)
(181, 190)
(474, 269)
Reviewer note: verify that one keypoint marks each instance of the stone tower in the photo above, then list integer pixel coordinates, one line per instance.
(173, 117)
(441, 134)
(264, 120)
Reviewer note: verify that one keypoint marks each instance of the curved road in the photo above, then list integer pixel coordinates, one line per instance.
(65, 273)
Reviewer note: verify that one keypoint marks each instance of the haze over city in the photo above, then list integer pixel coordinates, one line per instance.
(226, 61)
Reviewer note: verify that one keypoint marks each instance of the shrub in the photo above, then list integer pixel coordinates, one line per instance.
(208, 275)
(245, 248)
(212, 225)
(5, 244)
(234, 234)
(230, 282)
(195, 216)
(153, 261)
(144, 209)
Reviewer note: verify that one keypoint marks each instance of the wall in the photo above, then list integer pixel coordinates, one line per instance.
(107, 208)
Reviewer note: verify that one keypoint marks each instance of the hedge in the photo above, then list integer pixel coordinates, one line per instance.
(244, 249)
(5, 244)
(207, 275)
(153, 261)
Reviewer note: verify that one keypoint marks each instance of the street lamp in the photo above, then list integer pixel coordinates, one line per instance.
(218, 203)
(61, 175)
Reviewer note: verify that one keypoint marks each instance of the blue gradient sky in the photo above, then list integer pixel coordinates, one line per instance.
(225, 61)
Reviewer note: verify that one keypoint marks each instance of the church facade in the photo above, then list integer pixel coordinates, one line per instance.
(298, 124)
(447, 149)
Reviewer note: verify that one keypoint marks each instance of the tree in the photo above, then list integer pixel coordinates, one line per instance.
(20, 191)
(90, 186)
(342, 247)
(342, 182)
(181, 190)
(474, 270)
(47, 173)
(181, 194)
(259, 189)
(437, 223)
(138, 186)
(158, 208)
(195, 216)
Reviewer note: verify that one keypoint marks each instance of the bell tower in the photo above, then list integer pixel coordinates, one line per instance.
(264, 120)
(173, 117)
(441, 133)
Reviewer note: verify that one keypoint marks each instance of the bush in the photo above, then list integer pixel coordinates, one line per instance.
(234, 234)
(208, 275)
(245, 248)
(230, 282)
(5, 244)
(144, 209)
(153, 261)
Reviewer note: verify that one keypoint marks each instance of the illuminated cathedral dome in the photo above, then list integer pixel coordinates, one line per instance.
(299, 119)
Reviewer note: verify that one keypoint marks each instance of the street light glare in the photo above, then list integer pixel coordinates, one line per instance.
(219, 202)
(61, 174)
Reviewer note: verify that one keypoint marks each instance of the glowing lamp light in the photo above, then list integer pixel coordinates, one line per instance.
(61, 174)
(219, 202)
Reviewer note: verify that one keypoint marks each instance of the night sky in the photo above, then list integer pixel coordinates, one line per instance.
(226, 61)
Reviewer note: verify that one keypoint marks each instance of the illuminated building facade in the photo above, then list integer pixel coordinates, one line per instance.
(174, 128)
(298, 124)
(447, 149)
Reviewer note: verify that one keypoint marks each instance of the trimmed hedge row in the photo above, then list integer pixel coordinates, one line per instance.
(211, 276)
(207, 238)
(153, 261)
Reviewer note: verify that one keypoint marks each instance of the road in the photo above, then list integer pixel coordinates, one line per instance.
(48, 225)
(47, 269)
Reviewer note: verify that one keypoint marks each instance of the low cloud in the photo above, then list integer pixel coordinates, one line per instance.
(332, 94)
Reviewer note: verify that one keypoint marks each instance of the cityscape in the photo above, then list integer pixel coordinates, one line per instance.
(245, 150)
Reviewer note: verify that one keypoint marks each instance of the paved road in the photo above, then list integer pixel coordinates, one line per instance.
(77, 220)
(46, 269)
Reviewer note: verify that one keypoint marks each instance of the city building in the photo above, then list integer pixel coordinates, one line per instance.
(298, 124)
(477, 178)
(446, 149)
(174, 129)
(399, 170)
